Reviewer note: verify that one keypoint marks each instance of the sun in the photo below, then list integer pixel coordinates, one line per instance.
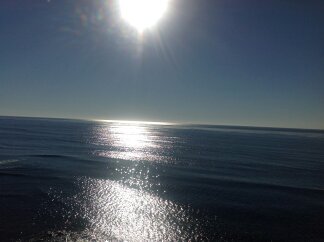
(143, 14)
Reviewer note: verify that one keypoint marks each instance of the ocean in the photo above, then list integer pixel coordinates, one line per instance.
(74, 180)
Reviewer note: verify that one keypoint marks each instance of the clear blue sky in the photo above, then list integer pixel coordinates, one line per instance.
(220, 62)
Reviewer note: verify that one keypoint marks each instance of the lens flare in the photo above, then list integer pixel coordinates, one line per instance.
(143, 14)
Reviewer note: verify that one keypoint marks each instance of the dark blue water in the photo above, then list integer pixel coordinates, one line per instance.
(64, 180)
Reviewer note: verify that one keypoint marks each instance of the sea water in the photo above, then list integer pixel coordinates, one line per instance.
(63, 180)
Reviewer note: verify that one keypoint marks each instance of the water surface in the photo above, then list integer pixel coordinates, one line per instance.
(68, 179)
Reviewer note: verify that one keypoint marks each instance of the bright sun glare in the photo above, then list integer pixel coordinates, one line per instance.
(142, 14)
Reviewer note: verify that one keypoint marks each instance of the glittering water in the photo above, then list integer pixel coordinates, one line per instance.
(67, 180)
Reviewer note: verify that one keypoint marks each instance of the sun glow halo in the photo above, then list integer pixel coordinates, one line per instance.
(142, 14)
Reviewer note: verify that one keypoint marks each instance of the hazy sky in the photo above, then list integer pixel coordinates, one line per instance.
(208, 61)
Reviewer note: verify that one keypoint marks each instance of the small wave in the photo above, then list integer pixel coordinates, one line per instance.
(9, 161)
(63, 235)
(13, 174)
(49, 156)
(69, 158)
(28, 175)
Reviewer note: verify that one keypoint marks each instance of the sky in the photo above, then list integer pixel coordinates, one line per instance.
(232, 62)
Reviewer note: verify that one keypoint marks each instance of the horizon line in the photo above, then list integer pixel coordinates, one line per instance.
(160, 122)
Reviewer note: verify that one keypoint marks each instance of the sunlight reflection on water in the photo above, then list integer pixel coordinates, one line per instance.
(118, 211)
(129, 141)
(130, 136)
(128, 208)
